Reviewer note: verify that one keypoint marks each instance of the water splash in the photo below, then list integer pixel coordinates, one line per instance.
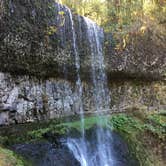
(98, 153)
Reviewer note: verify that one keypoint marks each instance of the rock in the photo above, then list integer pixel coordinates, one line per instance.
(142, 58)
(38, 43)
(4, 118)
(46, 154)
(33, 99)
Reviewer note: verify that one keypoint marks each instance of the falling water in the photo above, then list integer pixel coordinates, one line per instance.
(63, 33)
(100, 91)
(101, 155)
(78, 105)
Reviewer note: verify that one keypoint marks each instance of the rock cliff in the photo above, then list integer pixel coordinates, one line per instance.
(36, 39)
(27, 99)
(38, 68)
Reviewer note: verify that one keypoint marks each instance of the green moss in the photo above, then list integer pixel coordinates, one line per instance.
(63, 128)
(136, 132)
(9, 158)
(157, 125)
(129, 128)
(88, 122)
(158, 119)
(133, 127)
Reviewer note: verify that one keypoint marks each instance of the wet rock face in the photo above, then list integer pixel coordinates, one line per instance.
(46, 154)
(27, 99)
(36, 38)
(138, 96)
(40, 38)
(31, 34)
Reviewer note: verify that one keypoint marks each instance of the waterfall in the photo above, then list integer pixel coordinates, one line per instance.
(79, 103)
(67, 36)
(95, 36)
(78, 106)
(81, 147)
(100, 90)
(100, 154)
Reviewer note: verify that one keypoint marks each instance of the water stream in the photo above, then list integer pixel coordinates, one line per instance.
(80, 147)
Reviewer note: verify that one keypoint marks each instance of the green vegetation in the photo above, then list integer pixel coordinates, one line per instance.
(119, 14)
(143, 132)
(134, 129)
(61, 128)
(130, 129)
(9, 158)
(125, 19)
(137, 133)
(154, 123)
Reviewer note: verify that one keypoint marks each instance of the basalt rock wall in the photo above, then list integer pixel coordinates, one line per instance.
(36, 38)
(27, 99)
(38, 43)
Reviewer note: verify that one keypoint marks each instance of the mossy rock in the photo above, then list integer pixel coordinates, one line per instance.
(9, 158)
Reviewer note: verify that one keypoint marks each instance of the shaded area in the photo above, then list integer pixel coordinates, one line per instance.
(50, 154)
(46, 154)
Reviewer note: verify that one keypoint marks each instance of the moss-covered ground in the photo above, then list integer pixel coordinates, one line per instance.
(145, 134)
(9, 158)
